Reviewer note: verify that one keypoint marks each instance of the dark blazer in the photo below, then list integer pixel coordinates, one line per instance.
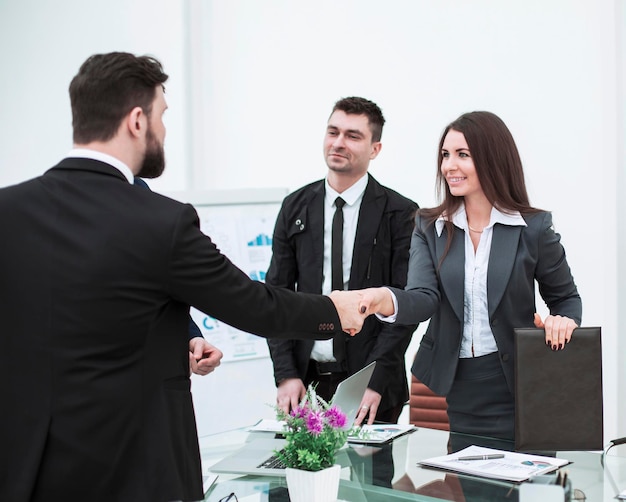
(97, 279)
(194, 330)
(380, 257)
(519, 257)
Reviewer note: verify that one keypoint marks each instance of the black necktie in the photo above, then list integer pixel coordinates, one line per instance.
(336, 265)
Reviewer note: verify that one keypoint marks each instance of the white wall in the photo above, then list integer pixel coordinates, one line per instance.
(252, 84)
(42, 45)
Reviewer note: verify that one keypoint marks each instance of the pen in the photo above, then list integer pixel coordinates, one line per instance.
(482, 457)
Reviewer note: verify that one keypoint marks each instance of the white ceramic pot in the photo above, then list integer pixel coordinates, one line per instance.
(313, 486)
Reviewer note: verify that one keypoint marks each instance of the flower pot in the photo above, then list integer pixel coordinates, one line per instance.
(313, 486)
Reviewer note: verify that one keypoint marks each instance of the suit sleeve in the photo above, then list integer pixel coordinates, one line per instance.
(201, 276)
(394, 339)
(556, 284)
(282, 273)
(421, 297)
(194, 330)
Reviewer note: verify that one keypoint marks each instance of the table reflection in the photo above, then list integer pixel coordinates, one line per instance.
(391, 472)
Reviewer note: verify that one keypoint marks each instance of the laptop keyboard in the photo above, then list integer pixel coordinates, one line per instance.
(272, 463)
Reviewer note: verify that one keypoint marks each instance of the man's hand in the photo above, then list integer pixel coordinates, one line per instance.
(347, 305)
(290, 392)
(203, 357)
(369, 405)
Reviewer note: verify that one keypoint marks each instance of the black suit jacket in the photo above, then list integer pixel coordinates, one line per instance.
(519, 257)
(380, 257)
(97, 277)
(194, 330)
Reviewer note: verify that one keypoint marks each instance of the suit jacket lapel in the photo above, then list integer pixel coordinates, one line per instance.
(370, 213)
(316, 221)
(452, 272)
(502, 256)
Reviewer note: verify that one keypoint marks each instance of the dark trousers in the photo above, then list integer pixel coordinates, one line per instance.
(325, 382)
(480, 402)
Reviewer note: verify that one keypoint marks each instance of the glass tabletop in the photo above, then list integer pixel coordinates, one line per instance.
(391, 472)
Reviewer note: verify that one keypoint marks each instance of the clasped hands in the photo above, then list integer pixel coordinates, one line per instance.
(354, 306)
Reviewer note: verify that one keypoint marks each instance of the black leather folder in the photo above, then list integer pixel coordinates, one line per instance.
(558, 394)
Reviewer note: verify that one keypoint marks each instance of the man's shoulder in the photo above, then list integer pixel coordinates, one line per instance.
(163, 206)
(304, 193)
(400, 200)
(395, 199)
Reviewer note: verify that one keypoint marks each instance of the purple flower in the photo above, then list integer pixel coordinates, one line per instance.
(336, 418)
(316, 430)
(315, 422)
(299, 412)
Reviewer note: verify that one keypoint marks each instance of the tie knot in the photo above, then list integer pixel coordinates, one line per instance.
(339, 202)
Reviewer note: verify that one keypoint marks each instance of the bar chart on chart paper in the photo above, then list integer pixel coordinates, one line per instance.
(242, 232)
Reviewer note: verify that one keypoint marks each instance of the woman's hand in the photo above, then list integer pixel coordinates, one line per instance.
(377, 301)
(558, 330)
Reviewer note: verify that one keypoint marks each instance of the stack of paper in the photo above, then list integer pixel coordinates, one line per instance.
(495, 464)
(380, 433)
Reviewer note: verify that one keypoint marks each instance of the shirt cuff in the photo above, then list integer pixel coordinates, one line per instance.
(392, 317)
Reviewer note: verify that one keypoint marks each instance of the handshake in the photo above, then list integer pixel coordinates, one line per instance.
(354, 306)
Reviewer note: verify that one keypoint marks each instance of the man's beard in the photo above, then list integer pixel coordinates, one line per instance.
(153, 163)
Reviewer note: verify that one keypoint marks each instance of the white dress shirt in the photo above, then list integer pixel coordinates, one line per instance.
(353, 196)
(478, 339)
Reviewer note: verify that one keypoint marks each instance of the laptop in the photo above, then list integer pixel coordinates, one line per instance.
(257, 457)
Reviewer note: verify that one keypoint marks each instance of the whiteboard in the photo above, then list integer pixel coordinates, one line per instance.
(241, 224)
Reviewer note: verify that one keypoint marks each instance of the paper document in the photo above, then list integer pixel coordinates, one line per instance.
(366, 434)
(380, 433)
(269, 425)
(511, 466)
(207, 481)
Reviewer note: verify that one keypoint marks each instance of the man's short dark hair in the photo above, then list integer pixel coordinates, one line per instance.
(361, 106)
(109, 86)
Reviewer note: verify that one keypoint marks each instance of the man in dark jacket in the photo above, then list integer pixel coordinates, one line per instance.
(374, 251)
(96, 279)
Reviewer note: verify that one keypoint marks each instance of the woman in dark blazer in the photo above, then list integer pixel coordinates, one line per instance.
(473, 265)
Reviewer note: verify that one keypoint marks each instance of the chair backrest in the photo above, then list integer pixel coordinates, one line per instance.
(427, 409)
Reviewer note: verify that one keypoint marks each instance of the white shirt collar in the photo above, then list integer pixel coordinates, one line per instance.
(350, 195)
(459, 218)
(85, 153)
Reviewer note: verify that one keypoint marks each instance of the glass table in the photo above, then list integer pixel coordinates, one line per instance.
(390, 472)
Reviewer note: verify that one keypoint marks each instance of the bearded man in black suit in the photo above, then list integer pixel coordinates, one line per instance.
(97, 276)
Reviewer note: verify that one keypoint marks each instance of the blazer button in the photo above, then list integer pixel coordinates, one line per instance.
(505, 357)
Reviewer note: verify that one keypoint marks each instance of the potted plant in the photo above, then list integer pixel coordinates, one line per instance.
(315, 431)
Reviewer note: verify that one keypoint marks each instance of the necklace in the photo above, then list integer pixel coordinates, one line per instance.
(474, 230)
